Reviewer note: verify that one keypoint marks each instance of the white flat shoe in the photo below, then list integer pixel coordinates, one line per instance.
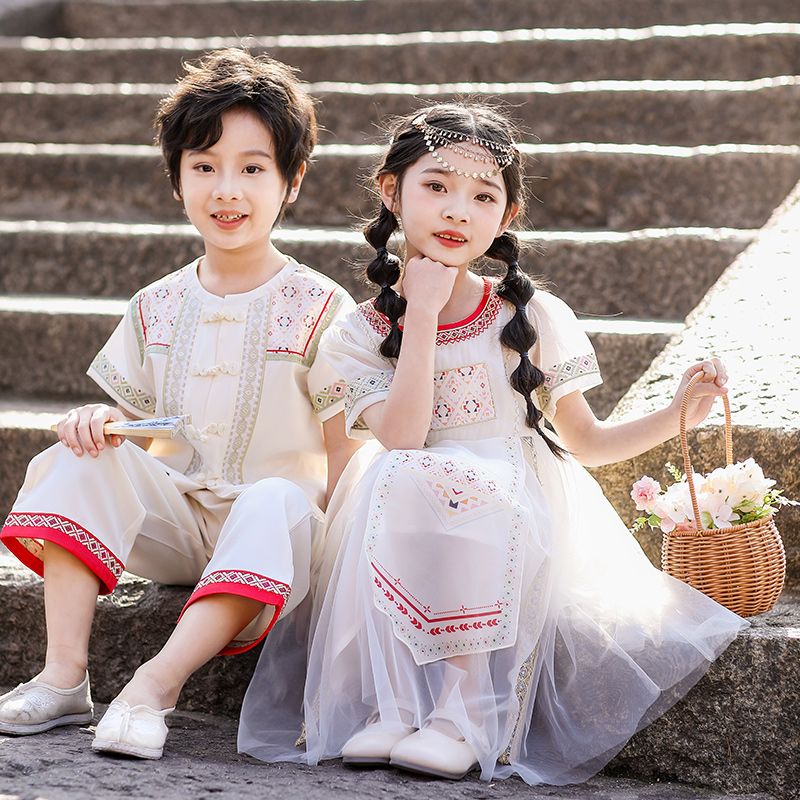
(35, 707)
(372, 746)
(138, 731)
(428, 752)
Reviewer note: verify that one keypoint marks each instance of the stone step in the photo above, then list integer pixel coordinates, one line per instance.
(598, 273)
(578, 186)
(56, 338)
(703, 52)
(623, 112)
(96, 19)
(733, 731)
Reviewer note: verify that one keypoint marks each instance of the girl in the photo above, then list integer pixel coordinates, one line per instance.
(230, 508)
(488, 609)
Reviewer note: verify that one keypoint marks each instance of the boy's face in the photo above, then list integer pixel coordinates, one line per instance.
(233, 192)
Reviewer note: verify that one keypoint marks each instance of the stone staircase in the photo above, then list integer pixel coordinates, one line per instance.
(661, 138)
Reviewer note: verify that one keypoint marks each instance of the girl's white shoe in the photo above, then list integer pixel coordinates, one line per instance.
(429, 752)
(372, 746)
(35, 707)
(138, 731)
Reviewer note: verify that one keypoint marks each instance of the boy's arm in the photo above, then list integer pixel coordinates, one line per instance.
(339, 448)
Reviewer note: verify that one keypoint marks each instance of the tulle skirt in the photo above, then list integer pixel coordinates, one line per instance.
(491, 587)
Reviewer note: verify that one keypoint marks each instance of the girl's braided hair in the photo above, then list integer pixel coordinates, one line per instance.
(407, 145)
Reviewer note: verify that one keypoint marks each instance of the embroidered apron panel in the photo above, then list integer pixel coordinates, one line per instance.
(443, 543)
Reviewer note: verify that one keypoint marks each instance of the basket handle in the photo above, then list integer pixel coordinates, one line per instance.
(687, 461)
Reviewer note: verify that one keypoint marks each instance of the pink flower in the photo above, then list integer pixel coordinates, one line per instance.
(644, 493)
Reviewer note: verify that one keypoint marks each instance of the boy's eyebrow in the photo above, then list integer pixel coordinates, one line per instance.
(441, 171)
(210, 151)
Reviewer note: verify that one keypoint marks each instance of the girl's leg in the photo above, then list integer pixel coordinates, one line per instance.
(205, 628)
(70, 598)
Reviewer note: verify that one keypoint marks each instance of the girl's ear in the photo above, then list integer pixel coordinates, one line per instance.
(508, 218)
(387, 186)
(294, 188)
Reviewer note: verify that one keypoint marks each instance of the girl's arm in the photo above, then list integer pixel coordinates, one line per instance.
(595, 443)
(339, 449)
(402, 421)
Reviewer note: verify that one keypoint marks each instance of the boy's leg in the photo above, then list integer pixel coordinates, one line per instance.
(264, 543)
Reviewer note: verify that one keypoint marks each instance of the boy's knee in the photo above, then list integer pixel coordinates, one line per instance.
(272, 491)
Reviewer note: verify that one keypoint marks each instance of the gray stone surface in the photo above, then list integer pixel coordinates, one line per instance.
(736, 729)
(575, 187)
(200, 763)
(667, 113)
(387, 16)
(749, 319)
(597, 274)
(743, 53)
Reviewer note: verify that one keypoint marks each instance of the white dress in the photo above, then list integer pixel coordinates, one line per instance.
(482, 580)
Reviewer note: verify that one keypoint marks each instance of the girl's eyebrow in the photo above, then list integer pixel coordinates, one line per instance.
(441, 171)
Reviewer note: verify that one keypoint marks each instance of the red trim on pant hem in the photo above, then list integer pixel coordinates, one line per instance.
(262, 595)
(10, 535)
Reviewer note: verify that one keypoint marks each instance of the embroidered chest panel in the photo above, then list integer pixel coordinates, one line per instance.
(158, 307)
(462, 396)
(299, 312)
(444, 336)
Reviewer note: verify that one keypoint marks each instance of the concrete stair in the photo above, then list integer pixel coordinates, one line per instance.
(661, 138)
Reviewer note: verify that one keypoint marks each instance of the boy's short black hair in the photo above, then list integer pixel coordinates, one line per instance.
(190, 117)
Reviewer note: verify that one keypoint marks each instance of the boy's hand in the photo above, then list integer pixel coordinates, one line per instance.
(709, 387)
(82, 428)
(427, 284)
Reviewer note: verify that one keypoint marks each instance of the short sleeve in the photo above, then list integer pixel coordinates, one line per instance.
(562, 351)
(120, 370)
(350, 352)
(326, 388)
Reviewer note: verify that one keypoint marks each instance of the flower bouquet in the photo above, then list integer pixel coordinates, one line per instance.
(718, 533)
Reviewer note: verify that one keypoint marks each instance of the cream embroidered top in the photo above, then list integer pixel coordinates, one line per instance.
(473, 398)
(243, 367)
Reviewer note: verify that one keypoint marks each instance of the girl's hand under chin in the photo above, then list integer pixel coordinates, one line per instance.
(427, 284)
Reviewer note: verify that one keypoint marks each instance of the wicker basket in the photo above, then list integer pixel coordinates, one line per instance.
(743, 566)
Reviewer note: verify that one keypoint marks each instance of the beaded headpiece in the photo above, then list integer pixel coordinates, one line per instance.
(441, 139)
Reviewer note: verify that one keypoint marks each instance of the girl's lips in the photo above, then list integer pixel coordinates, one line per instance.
(447, 242)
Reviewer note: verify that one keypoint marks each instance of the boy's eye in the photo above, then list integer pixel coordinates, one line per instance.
(252, 169)
(204, 168)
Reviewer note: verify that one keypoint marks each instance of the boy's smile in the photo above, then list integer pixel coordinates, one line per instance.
(234, 192)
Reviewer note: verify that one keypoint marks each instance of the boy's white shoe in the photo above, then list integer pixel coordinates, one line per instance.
(138, 731)
(35, 707)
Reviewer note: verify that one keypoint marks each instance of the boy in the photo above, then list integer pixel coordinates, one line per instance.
(233, 506)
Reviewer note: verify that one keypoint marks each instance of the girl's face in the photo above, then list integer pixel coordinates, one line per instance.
(233, 192)
(447, 217)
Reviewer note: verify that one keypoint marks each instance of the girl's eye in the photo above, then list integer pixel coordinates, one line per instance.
(485, 198)
(252, 169)
(436, 186)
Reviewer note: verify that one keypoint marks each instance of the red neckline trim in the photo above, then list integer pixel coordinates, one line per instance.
(487, 291)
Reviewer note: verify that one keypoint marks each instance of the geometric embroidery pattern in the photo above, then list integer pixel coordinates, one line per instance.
(366, 385)
(461, 396)
(158, 306)
(249, 579)
(132, 395)
(328, 396)
(562, 373)
(70, 529)
(479, 322)
(299, 313)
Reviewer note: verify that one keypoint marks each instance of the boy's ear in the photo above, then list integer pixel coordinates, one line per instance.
(387, 186)
(176, 194)
(508, 218)
(294, 187)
